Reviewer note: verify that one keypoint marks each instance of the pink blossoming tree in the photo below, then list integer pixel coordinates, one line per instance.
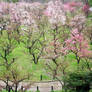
(77, 44)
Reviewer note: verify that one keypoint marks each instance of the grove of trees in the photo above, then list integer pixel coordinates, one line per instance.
(60, 35)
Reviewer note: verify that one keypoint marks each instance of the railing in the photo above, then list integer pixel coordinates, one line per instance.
(44, 86)
(38, 89)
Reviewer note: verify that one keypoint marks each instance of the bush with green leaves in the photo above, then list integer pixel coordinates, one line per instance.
(90, 2)
(78, 81)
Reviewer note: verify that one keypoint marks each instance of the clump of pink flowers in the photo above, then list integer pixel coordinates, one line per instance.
(25, 13)
(86, 8)
(78, 21)
(21, 13)
(55, 13)
(72, 6)
(29, 13)
(76, 44)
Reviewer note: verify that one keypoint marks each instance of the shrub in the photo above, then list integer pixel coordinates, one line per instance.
(78, 81)
(90, 2)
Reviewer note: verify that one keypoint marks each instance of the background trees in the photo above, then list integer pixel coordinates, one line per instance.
(51, 34)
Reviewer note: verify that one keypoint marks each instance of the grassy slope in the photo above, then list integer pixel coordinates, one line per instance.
(36, 69)
(25, 60)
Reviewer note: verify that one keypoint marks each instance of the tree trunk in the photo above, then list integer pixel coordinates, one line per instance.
(16, 87)
(9, 89)
(7, 85)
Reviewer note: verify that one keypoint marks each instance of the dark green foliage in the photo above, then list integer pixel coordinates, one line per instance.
(78, 81)
(90, 2)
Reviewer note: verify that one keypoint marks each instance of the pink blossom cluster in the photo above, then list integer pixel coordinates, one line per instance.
(55, 12)
(31, 13)
(21, 13)
(78, 21)
(76, 44)
(86, 8)
(54, 45)
(72, 6)
(4, 8)
(25, 13)
(53, 49)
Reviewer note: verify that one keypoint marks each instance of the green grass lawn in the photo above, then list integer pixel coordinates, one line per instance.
(25, 60)
(36, 69)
